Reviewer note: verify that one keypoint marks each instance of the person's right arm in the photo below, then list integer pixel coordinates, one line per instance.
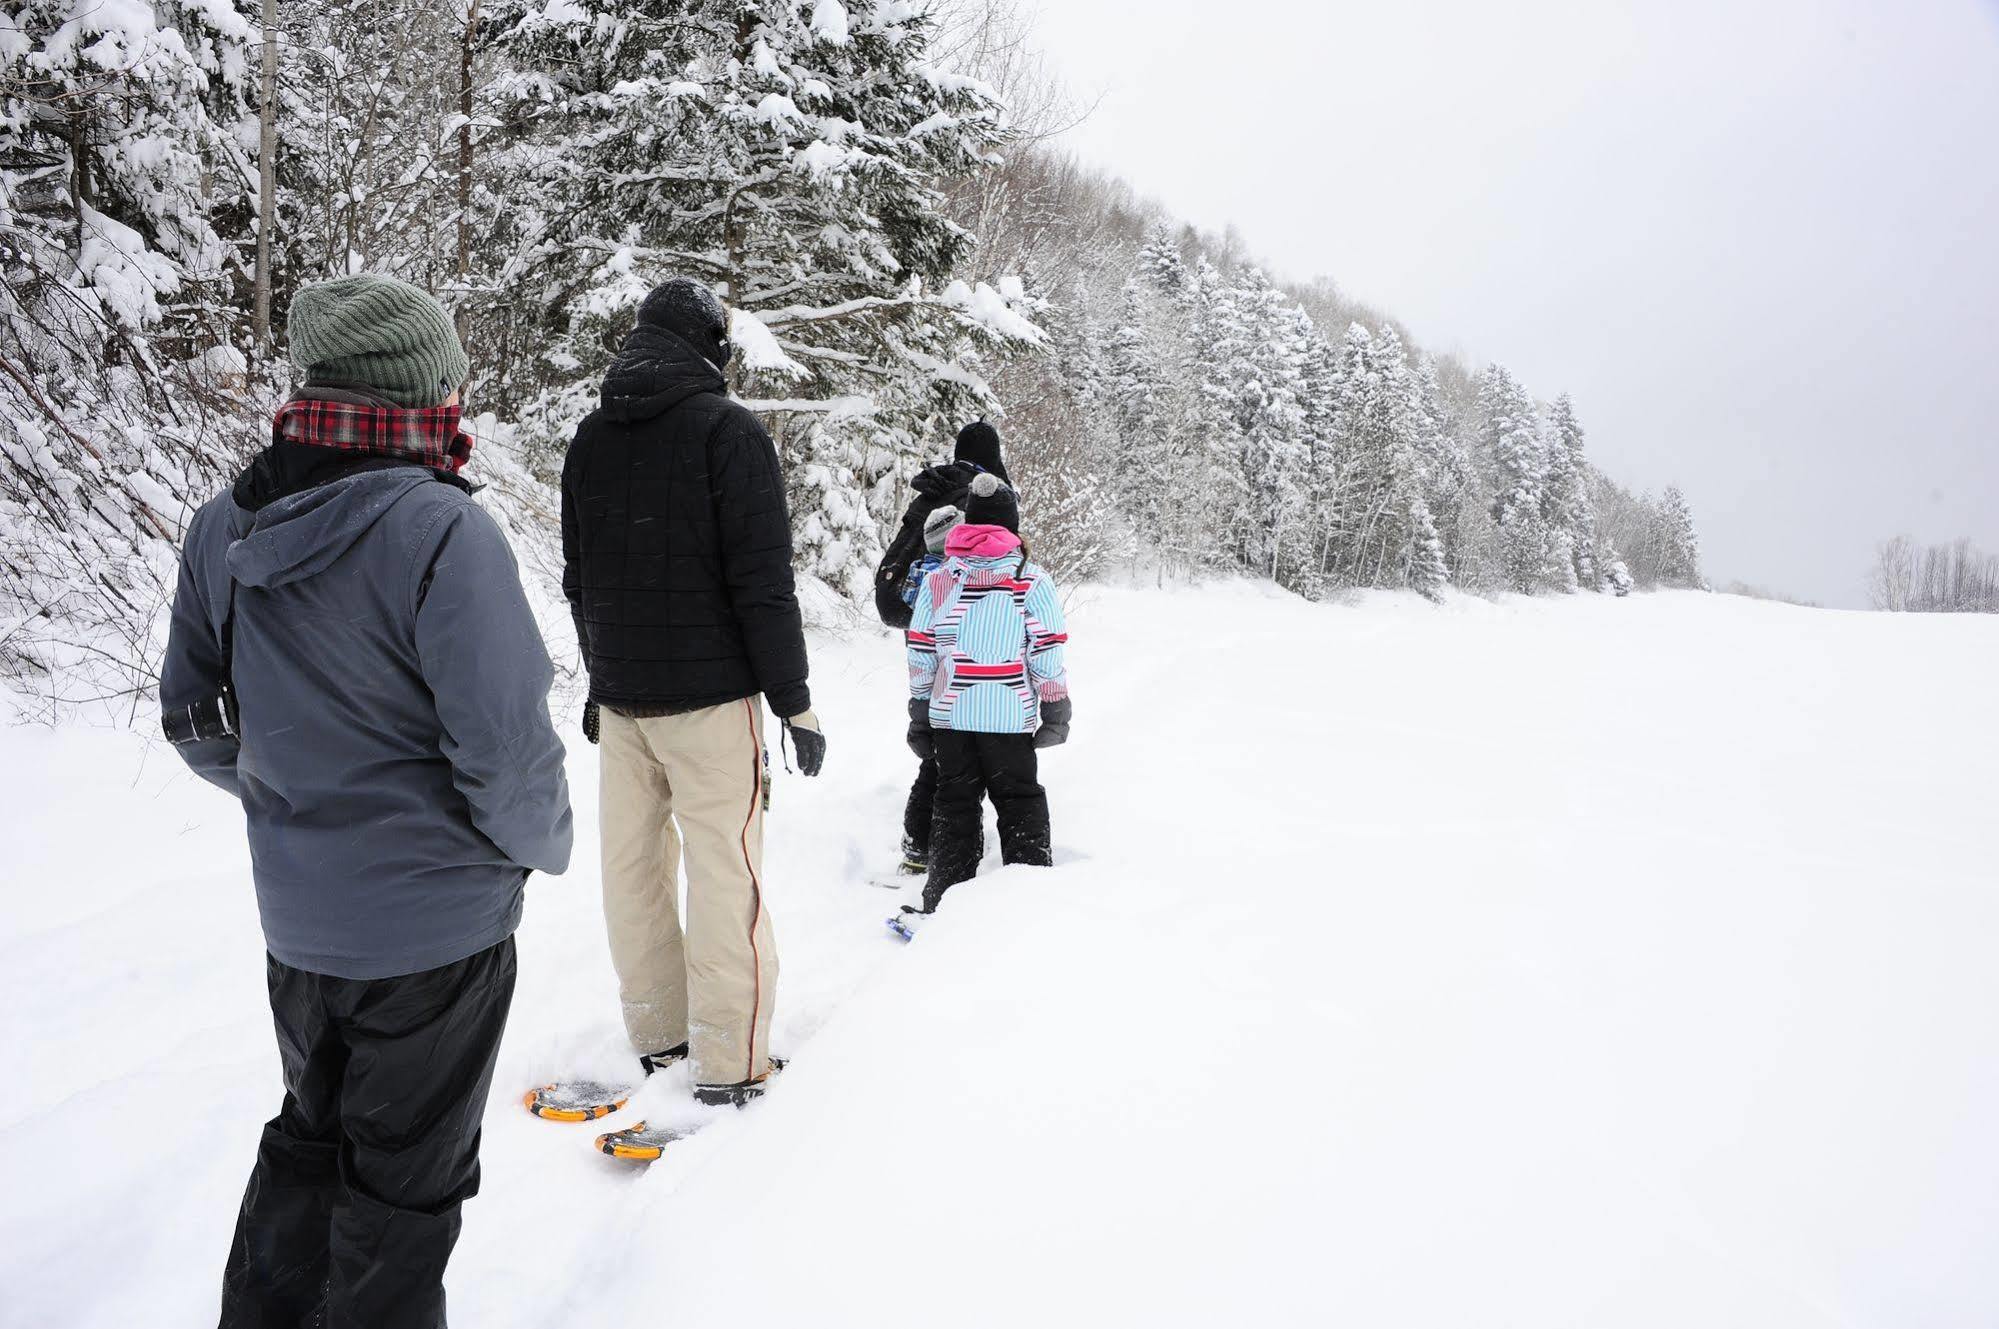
(893, 571)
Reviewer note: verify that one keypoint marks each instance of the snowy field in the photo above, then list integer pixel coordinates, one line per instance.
(1568, 962)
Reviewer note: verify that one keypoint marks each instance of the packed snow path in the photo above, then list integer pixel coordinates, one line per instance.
(1618, 963)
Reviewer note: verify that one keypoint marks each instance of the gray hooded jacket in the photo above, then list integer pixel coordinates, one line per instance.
(396, 765)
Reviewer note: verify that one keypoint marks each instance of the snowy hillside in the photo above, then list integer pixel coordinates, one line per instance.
(1570, 961)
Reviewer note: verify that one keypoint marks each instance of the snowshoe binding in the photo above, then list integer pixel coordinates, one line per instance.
(577, 1100)
(640, 1143)
(590, 1100)
(741, 1093)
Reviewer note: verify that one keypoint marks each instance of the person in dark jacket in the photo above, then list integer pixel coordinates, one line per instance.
(935, 488)
(677, 565)
(386, 728)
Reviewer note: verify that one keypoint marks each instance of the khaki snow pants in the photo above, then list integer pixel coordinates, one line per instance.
(689, 784)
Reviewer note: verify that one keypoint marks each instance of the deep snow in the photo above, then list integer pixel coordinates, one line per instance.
(1579, 961)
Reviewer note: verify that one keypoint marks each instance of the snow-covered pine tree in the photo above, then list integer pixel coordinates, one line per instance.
(1253, 376)
(1160, 263)
(1616, 576)
(1566, 502)
(1132, 393)
(126, 203)
(1423, 567)
(1558, 485)
(1379, 478)
(1679, 543)
(790, 155)
(1308, 563)
(1130, 384)
(1511, 435)
(1215, 467)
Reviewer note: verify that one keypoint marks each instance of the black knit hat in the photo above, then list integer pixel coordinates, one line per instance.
(686, 308)
(990, 502)
(978, 443)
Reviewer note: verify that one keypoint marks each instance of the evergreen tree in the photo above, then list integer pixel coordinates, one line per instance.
(1252, 377)
(792, 158)
(1566, 502)
(1377, 425)
(127, 204)
(1423, 566)
(1160, 262)
(1512, 439)
(1679, 558)
(1616, 576)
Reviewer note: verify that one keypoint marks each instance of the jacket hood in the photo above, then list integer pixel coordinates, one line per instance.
(301, 535)
(655, 370)
(970, 540)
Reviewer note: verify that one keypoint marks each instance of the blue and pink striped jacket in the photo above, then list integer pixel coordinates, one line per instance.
(986, 637)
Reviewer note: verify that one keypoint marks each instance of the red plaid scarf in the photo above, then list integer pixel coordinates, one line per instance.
(428, 435)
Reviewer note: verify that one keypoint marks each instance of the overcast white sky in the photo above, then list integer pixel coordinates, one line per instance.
(1758, 241)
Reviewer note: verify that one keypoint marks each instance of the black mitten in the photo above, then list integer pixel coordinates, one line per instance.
(1054, 731)
(590, 721)
(921, 741)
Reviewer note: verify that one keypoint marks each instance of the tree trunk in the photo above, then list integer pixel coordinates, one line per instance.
(267, 178)
(465, 145)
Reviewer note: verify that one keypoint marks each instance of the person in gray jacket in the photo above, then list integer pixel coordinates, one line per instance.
(352, 656)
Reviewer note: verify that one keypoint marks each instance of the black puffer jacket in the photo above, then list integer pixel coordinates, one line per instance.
(676, 544)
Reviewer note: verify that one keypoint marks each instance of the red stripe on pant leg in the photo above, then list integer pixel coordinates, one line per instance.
(756, 887)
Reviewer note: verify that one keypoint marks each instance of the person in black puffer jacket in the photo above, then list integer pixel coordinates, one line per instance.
(677, 566)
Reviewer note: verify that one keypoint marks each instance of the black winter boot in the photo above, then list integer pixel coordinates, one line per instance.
(740, 1094)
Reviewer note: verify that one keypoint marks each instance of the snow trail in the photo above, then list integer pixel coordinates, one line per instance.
(1569, 961)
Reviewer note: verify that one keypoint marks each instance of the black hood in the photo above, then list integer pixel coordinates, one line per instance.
(655, 370)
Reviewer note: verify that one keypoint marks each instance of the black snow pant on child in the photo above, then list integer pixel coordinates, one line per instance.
(352, 1209)
(970, 767)
(919, 811)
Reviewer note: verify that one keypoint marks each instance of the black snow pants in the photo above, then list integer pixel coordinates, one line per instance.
(970, 767)
(918, 812)
(352, 1209)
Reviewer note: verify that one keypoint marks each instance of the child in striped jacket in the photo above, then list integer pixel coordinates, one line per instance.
(988, 686)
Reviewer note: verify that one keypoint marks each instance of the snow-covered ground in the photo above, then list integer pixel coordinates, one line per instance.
(1592, 962)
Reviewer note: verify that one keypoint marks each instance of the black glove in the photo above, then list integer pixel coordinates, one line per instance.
(938, 485)
(1054, 731)
(590, 722)
(921, 741)
(803, 729)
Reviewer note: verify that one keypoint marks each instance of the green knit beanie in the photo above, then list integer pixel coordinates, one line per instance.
(378, 332)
